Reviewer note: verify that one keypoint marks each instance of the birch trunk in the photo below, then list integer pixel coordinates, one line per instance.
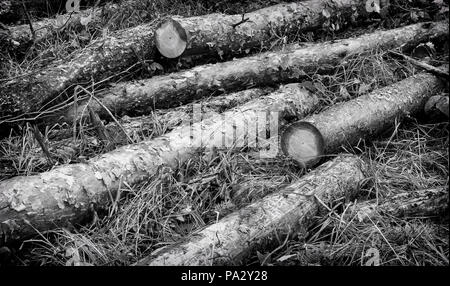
(12, 10)
(64, 149)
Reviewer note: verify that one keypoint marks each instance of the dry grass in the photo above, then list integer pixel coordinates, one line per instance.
(175, 203)
(413, 157)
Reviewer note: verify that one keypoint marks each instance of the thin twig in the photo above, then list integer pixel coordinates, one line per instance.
(240, 22)
(425, 66)
(42, 143)
(110, 114)
(27, 15)
(98, 125)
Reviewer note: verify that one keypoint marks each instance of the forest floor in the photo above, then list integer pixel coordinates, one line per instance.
(412, 155)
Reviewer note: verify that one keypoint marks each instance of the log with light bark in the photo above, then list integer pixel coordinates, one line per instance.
(64, 194)
(233, 237)
(12, 10)
(420, 203)
(294, 63)
(347, 123)
(213, 34)
(21, 36)
(341, 124)
(64, 149)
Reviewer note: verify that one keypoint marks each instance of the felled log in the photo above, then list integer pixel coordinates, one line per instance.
(347, 123)
(420, 203)
(171, 39)
(12, 10)
(64, 149)
(292, 64)
(21, 36)
(64, 194)
(233, 237)
(302, 142)
(212, 34)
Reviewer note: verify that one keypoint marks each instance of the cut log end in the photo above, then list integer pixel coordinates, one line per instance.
(302, 142)
(171, 39)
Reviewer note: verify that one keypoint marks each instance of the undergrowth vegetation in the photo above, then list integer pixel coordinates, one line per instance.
(412, 155)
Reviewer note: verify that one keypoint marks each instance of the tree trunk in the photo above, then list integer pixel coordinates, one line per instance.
(231, 238)
(292, 64)
(420, 203)
(13, 10)
(345, 124)
(21, 37)
(64, 149)
(209, 34)
(65, 193)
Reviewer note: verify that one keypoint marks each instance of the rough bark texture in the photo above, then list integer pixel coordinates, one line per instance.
(420, 203)
(64, 194)
(292, 64)
(20, 36)
(231, 238)
(364, 117)
(210, 34)
(12, 10)
(64, 149)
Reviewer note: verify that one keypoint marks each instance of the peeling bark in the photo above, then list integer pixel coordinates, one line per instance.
(64, 148)
(12, 10)
(21, 37)
(294, 63)
(347, 123)
(233, 237)
(211, 34)
(63, 195)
